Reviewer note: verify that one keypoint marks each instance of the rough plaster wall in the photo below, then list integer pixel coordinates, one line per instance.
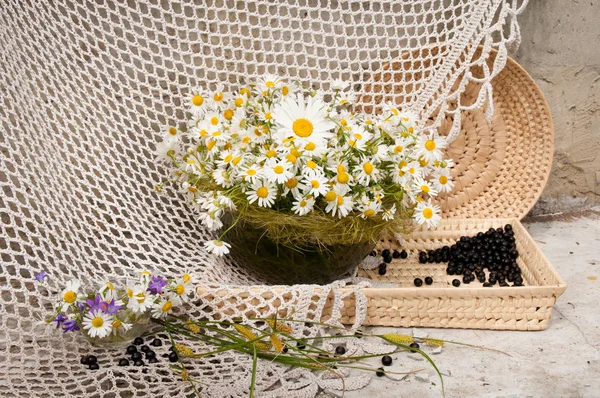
(560, 48)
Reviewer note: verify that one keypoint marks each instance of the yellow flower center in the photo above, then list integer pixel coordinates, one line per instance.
(424, 188)
(423, 162)
(203, 133)
(262, 192)
(403, 163)
(343, 178)
(110, 285)
(352, 143)
(330, 197)
(227, 145)
(398, 149)
(97, 322)
(303, 203)
(228, 158)
(186, 278)
(369, 213)
(340, 200)
(193, 189)
(70, 297)
(237, 160)
(443, 180)
(214, 120)
(172, 131)
(302, 127)
(247, 139)
(116, 324)
(343, 101)
(430, 145)
(343, 122)
(311, 164)
(285, 90)
(197, 100)
(140, 298)
(294, 151)
(427, 213)
(271, 153)
(268, 116)
(310, 146)
(291, 158)
(394, 111)
(341, 168)
(245, 91)
(180, 289)
(239, 102)
(357, 136)
(129, 293)
(251, 172)
(228, 114)
(167, 306)
(270, 83)
(211, 144)
(291, 183)
(278, 169)
(368, 168)
(218, 97)
(315, 184)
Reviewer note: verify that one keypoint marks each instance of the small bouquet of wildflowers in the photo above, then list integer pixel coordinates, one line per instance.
(304, 168)
(111, 310)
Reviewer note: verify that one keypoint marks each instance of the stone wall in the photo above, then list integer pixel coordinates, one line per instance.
(560, 48)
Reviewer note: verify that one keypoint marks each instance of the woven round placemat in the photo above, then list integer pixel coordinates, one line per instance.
(501, 167)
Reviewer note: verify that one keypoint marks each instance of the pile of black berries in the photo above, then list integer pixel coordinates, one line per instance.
(387, 257)
(494, 250)
(145, 352)
(91, 361)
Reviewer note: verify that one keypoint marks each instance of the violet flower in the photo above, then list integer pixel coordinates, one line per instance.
(95, 304)
(110, 308)
(156, 285)
(70, 326)
(60, 318)
(40, 276)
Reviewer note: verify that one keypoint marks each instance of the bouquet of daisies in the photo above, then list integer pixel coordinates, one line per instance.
(111, 310)
(304, 166)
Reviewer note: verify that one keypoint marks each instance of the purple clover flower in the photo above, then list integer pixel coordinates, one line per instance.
(156, 285)
(41, 276)
(60, 318)
(95, 304)
(110, 308)
(70, 326)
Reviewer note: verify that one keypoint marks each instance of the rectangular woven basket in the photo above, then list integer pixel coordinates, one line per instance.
(470, 306)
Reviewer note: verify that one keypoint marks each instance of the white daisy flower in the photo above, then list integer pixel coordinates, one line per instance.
(262, 191)
(303, 119)
(292, 185)
(429, 147)
(366, 171)
(341, 204)
(268, 83)
(196, 102)
(400, 147)
(303, 206)
(188, 277)
(422, 187)
(408, 121)
(108, 291)
(167, 149)
(287, 90)
(339, 84)
(218, 97)
(346, 98)
(389, 214)
(211, 220)
(427, 213)
(181, 290)
(119, 326)
(277, 170)
(358, 138)
(369, 209)
(98, 324)
(164, 307)
(217, 247)
(252, 173)
(442, 181)
(138, 301)
(223, 178)
(170, 133)
(314, 149)
(412, 169)
(225, 202)
(316, 183)
(70, 294)
(311, 167)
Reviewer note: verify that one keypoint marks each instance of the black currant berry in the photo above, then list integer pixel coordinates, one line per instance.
(173, 357)
(123, 362)
(387, 259)
(138, 341)
(386, 253)
(139, 362)
(136, 356)
(153, 360)
(93, 366)
(300, 345)
(150, 354)
(144, 348)
(414, 345)
(84, 360)
(92, 359)
(386, 360)
(156, 343)
(382, 269)
(403, 254)
(456, 283)
(428, 280)
(418, 282)
(339, 350)
(131, 349)
(396, 254)
(380, 372)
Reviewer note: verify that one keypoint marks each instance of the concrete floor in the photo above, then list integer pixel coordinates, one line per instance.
(561, 361)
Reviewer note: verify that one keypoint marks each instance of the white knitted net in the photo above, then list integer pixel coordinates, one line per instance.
(87, 90)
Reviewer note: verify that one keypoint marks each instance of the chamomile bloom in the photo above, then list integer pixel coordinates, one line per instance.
(182, 290)
(316, 183)
(138, 302)
(442, 181)
(211, 220)
(303, 206)
(366, 171)
(268, 83)
(252, 173)
(166, 150)
(108, 291)
(196, 102)
(223, 177)
(287, 91)
(408, 122)
(119, 326)
(217, 247)
(400, 147)
(339, 84)
(164, 307)
(390, 213)
(427, 213)
(98, 324)
(262, 191)
(212, 121)
(423, 187)
(218, 97)
(339, 203)
(314, 149)
(346, 98)
(188, 278)
(70, 294)
(304, 119)
(412, 169)
(171, 133)
(358, 138)
(278, 170)
(292, 185)
(369, 209)
(429, 147)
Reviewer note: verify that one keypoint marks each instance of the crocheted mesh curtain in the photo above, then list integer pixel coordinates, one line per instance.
(88, 87)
